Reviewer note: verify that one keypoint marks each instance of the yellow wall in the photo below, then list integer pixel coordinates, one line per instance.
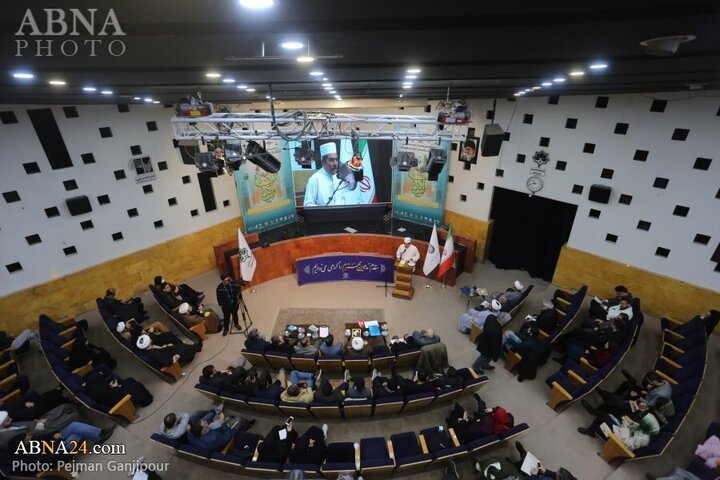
(661, 296)
(176, 260)
(474, 228)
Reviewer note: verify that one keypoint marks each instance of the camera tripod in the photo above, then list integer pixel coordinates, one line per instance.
(244, 313)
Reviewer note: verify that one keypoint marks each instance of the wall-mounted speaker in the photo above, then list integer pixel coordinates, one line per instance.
(492, 139)
(599, 193)
(78, 205)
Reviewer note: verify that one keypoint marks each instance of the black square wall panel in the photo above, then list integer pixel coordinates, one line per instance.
(71, 250)
(607, 173)
(506, 138)
(105, 132)
(70, 185)
(14, 267)
(12, 196)
(135, 150)
(625, 199)
(571, 123)
(553, 100)
(611, 238)
(158, 223)
(33, 167)
(35, 238)
(601, 102)
(594, 213)
(226, 203)
(560, 165)
(577, 189)
(680, 134)
(193, 213)
(87, 225)
(528, 118)
(467, 165)
(480, 186)
(589, 148)
(186, 179)
(123, 107)
(162, 165)
(621, 128)
(151, 126)
(717, 195)
(641, 155)
(643, 225)
(70, 112)
(499, 172)
(147, 189)
(103, 199)
(52, 212)
(119, 174)
(520, 158)
(681, 211)
(658, 106)
(662, 252)
(88, 158)
(451, 179)
(8, 118)
(463, 198)
(661, 183)
(490, 115)
(544, 142)
(133, 212)
(699, 238)
(117, 236)
(172, 201)
(700, 163)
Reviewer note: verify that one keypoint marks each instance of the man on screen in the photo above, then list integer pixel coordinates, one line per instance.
(324, 188)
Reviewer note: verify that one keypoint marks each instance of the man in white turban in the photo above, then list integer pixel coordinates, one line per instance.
(407, 252)
(323, 183)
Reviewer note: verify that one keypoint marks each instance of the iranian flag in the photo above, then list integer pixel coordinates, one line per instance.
(432, 257)
(247, 259)
(448, 254)
(365, 192)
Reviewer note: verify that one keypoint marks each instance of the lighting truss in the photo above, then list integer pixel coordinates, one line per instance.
(301, 125)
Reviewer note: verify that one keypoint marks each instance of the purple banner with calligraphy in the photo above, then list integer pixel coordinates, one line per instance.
(342, 267)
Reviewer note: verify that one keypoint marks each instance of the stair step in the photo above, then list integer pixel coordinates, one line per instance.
(406, 294)
(403, 276)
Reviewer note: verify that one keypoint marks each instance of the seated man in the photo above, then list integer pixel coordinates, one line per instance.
(327, 394)
(328, 346)
(355, 388)
(484, 421)
(641, 425)
(256, 342)
(266, 388)
(124, 309)
(277, 443)
(83, 352)
(425, 337)
(479, 315)
(384, 386)
(166, 354)
(546, 320)
(169, 297)
(279, 344)
(510, 297)
(194, 316)
(453, 377)
(301, 393)
(398, 344)
(310, 447)
(534, 352)
(186, 292)
(71, 436)
(229, 379)
(54, 420)
(157, 331)
(33, 405)
(358, 348)
(584, 338)
(212, 431)
(418, 384)
(599, 309)
(623, 307)
(303, 347)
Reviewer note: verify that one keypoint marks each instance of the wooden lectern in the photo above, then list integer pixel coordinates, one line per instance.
(403, 281)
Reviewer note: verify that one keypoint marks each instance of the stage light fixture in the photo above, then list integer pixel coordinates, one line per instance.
(304, 155)
(23, 75)
(305, 59)
(212, 75)
(435, 163)
(404, 161)
(292, 45)
(206, 162)
(260, 157)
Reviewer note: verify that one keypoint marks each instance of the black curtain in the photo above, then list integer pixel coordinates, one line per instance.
(528, 232)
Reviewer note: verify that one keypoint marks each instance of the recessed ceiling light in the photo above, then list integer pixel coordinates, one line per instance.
(137, 98)
(528, 90)
(325, 79)
(23, 75)
(414, 70)
(407, 83)
(401, 95)
(156, 101)
(316, 73)
(250, 90)
(519, 93)
(89, 89)
(147, 99)
(411, 77)
(228, 80)
(212, 75)
(598, 66)
(536, 88)
(546, 84)
(242, 87)
(106, 92)
(57, 82)
(577, 73)
(407, 86)
(292, 45)
(327, 84)
(559, 79)
(256, 4)
(332, 92)
(305, 59)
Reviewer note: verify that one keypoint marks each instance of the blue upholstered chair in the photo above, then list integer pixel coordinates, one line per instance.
(452, 451)
(341, 457)
(410, 453)
(376, 456)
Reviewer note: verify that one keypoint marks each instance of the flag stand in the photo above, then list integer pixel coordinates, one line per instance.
(443, 284)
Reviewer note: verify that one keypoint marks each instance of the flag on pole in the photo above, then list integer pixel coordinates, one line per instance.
(247, 259)
(448, 254)
(432, 257)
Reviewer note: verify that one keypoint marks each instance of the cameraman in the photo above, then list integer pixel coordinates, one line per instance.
(228, 297)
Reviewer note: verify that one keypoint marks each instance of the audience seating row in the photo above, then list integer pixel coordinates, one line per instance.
(575, 380)
(388, 405)
(170, 374)
(56, 341)
(698, 467)
(476, 330)
(403, 453)
(382, 359)
(682, 362)
(194, 333)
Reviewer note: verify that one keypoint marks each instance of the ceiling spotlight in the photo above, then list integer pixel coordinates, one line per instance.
(292, 45)
(305, 59)
(106, 92)
(324, 79)
(228, 80)
(250, 90)
(327, 88)
(332, 92)
(411, 77)
(598, 66)
(242, 87)
(327, 84)
(414, 70)
(156, 101)
(559, 79)
(407, 86)
(212, 75)
(316, 73)
(89, 89)
(401, 95)
(137, 98)
(147, 100)
(546, 84)
(535, 88)
(577, 73)
(57, 82)
(256, 4)
(23, 75)
(528, 90)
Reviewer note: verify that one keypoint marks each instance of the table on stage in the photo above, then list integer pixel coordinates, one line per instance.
(376, 341)
(471, 292)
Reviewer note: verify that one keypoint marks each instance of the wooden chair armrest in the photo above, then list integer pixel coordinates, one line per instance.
(575, 379)
(173, 370)
(357, 457)
(473, 373)
(67, 320)
(5, 367)
(614, 448)
(557, 395)
(560, 312)
(563, 301)
(674, 323)
(200, 329)
(13, 356)
(666, 377)
(68, 332)
(586, 365)
(125, 408)
(229, 446)
(84, 370)
(11, 397)
(671, 363)
(391, 452)
(675, 351)
(673, 334)
(423, 444)
(257, 452)
(9, 382)
(543, 334)
(67, 346)
(564, 295)
(454, 437)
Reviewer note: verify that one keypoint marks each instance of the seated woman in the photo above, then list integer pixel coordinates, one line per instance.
(484, 421)
(107, 389)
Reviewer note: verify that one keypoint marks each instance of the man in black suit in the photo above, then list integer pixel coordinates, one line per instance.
(228, 297)
(124, 309)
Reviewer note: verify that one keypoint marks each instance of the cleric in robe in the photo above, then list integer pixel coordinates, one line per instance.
(324, 188)
(407, 252)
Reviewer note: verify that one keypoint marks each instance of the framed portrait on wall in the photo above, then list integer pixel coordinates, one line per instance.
(468, 151)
